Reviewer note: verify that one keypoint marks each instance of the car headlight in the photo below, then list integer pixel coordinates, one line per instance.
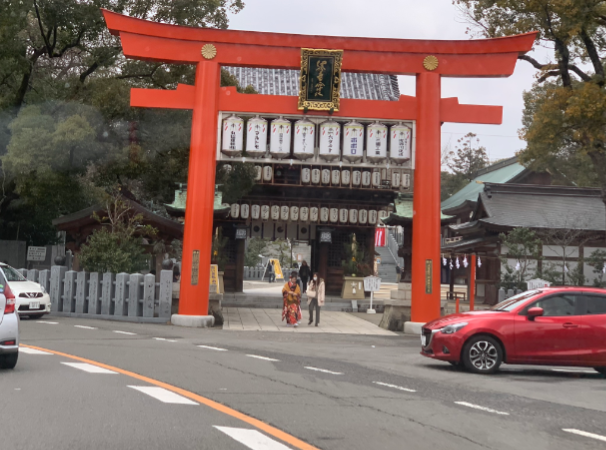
(453, 328)
(43, 290)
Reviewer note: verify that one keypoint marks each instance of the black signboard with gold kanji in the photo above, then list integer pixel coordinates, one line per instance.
(320, 84)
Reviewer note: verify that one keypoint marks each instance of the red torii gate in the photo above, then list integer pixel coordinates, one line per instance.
(427, 60)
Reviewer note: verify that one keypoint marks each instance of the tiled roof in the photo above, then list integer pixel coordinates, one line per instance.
(549, 207)
(501, 172)
(404, 211)
(364, 86)
(181, 199)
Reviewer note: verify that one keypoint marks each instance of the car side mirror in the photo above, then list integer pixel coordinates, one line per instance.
(534, 312)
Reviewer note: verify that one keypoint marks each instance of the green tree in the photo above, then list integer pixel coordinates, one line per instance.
(524, 247)
(463, 162)
(116, 246)
(255, 247)
(564, 121)
(597, 261)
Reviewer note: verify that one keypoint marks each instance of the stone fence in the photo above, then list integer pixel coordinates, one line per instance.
(130, 297)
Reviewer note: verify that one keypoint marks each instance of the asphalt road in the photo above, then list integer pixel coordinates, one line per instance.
(211, 389)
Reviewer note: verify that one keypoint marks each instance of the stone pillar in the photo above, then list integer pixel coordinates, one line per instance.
(149, 293)
(121, 294)
(81, 289)
(166, 293)
(69, 292)
(107, 293)
(44, 280)
(94, 291)
(135, 293)
(56, 287)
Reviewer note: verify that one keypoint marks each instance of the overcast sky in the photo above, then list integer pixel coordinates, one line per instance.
(404, 19)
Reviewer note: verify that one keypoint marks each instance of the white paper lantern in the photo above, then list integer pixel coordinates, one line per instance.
(366, 177)
(304, 139)
(353, 216)
(255, 212)
(335, 177)
(268, 173)
(235, 210)
(326, 176)
(304, 213)
(233, 136)
(372, 217)
(284, 213)
(330, 140)
(406, 180)
(256, 137)
(316, 175)
(279, 144)
(343, 215)
(363, 216)
(305, 175)
(345, 177)
(376, 142)
(400, 143)
(294, 213)
(383, 214)
(265, 212)
(356, 178)
(396, 178)
(376, 179)
(275, 212)
(353, 141)
(313, 214)
(245, 210)
(324, 214)
(258, 173)
(334, 215)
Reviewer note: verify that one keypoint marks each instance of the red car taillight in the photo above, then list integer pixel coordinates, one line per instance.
(10, 300)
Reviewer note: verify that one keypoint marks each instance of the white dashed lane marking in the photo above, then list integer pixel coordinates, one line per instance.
(264, 358)
(393, 386)
(482, 408)
(209, 347)
(47, 322)
(128, 333)
(585, 434)
(90, 368)
(32, 351)
(316, 369)
(164, 395)
(85, 327)
(164, 339)
(252, 439)
(573, 370)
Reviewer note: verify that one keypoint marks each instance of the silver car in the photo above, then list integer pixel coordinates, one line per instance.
(9, 327)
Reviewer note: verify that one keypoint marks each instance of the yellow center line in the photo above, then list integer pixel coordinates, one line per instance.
(291, 440)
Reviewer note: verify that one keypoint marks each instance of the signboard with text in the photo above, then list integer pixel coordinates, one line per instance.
(37, 254)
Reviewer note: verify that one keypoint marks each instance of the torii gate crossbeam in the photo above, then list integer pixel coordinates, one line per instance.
(152, 41)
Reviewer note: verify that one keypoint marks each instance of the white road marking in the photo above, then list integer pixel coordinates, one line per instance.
(32, 351)
(164, 339)
(482, 408)
(393, 386)
(208, 347)
(47, 322)
(90, 368)
(264, 358)
(252, 439)
(585, 434)
(85, 327)
(574, 371)
(323, 370)
(128, 333)
(164, 395)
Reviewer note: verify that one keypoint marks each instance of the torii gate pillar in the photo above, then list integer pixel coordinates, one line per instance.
(209, 49)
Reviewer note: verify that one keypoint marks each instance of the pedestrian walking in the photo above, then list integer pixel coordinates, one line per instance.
(271, 272)
(304, 273)
(315, 297)
(291, 310)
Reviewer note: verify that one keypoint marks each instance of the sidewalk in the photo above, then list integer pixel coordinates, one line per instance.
(335, 322)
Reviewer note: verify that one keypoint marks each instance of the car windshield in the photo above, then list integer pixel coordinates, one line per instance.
(12, 274)
(512, 302)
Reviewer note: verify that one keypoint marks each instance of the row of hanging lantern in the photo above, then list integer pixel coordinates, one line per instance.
(305, 214)
(335, 140)
(455, 262)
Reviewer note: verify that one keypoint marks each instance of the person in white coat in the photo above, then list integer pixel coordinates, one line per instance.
(315, 297)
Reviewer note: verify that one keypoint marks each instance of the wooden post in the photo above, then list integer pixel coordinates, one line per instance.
(472, 282)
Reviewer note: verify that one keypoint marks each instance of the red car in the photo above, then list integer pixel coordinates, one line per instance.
(563, 326)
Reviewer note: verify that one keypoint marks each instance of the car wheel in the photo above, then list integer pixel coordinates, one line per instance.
(602, 370)
(9, 361)
(482, 354)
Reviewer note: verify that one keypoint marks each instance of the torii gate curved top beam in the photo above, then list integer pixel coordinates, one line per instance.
(152, 41)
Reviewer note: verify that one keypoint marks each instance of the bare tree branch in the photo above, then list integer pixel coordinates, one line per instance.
(46, 43)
